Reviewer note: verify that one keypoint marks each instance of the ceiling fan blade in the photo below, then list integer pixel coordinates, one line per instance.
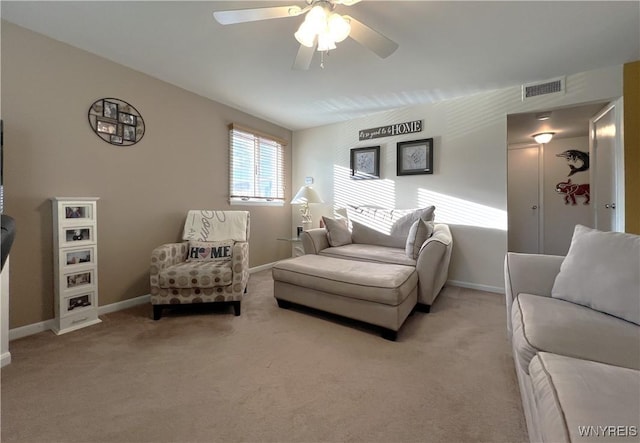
(346, 2)
(371, 38)
(252, 15)
(304, 58)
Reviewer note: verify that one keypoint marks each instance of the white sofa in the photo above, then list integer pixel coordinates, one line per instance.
(577, 361)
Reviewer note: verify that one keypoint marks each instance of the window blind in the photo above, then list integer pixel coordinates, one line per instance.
(257, 166)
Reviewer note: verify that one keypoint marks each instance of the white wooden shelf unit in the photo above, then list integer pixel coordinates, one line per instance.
(75, 263)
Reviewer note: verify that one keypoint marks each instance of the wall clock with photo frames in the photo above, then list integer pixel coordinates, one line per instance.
(116, 122)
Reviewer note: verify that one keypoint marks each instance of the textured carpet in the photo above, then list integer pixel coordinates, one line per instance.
(269, 375)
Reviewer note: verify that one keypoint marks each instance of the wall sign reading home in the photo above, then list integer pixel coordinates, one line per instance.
(390, 130)
(116, 122)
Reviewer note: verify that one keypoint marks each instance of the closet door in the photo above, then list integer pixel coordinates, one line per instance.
(607, 169)
(523, 199)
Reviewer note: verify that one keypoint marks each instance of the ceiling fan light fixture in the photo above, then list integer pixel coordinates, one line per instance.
(325, 42)
(306, 35)
(543, 137)
(317, 18)
(339, 27)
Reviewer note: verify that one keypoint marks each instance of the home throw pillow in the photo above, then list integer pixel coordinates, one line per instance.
(337, 232)
(210, 251)
(419, 233)
(602, 271)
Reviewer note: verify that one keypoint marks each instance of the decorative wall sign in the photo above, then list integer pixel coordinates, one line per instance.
(365, 163)
(116, 122)
(388, 131)
(415, 157)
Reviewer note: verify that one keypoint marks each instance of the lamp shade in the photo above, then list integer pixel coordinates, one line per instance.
(543, 137)
(306, 194)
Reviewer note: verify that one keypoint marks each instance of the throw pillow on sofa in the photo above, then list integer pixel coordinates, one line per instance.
(210, 251)
(602, 271)
(337, 232)
(385, 227)
(419, 233)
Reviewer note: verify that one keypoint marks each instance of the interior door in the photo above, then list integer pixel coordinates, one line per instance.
(607, 171)
(523, 199)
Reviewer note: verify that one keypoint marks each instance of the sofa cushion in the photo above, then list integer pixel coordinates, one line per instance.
(578, 398)
(384, 227)
(420, 231)
(370, 253)
(338, 232)
(380, 283)
(552, 325)
(602, 271)
(200, 274)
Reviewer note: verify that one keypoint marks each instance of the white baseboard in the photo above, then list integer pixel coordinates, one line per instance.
(126, 304)
(5, 359)
(35, 328)
(47, 325)
(487, 288)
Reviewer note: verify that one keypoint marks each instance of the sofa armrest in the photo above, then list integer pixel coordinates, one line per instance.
(530, 274)
(433, 263)
(314, 240)
(164, 256)
(240, 265)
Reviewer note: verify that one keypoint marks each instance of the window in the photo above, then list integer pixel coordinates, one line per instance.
(257, 167)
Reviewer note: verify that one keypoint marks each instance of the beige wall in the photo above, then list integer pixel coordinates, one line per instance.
(145, 190)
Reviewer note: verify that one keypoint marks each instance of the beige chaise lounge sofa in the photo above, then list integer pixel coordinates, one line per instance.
(366, 275)
(432, 263)
(577, 355)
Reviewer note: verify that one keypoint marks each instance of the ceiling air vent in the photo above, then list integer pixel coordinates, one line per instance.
(555, 86)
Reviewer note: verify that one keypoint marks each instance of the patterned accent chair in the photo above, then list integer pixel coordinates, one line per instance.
(178, 281)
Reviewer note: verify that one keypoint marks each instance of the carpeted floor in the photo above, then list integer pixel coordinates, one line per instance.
(270, 375)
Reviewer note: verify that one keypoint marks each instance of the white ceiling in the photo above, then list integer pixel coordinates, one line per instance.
(447, 49)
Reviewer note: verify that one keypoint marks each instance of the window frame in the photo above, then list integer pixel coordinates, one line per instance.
(260, 140)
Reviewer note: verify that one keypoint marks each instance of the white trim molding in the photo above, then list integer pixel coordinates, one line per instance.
(486, 288)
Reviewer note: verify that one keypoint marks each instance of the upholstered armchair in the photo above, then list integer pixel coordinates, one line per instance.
(211, 265)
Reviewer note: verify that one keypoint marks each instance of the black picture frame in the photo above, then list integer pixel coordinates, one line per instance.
(365, 163)
(110, 110)
(127, 119)
(106, 127)
(129, 133)
(415, 157)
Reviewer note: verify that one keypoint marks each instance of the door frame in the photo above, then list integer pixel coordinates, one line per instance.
(618, 182)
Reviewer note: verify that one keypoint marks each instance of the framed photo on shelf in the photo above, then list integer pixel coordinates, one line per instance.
(79, 279)
(78, 256)
(79, 301)
(78, 234)
(365, 163)
(415, 157)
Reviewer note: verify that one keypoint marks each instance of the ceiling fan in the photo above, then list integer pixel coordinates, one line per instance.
(321, 29)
